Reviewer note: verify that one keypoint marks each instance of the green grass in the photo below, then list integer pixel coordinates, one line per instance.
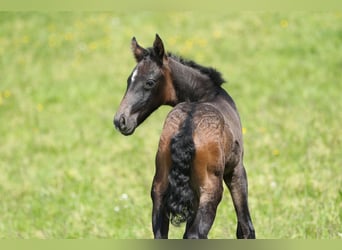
(66, 173)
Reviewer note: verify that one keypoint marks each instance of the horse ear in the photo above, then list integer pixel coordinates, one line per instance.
(158, 48)
(138, 51)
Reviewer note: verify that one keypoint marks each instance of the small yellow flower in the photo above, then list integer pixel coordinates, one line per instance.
(173, 41)
(275, 152)
(262, 130)
(40, 107)
(21, 60)
(284, 23)
(244, 131)
(25, 40)
(189, 44)
(7, 94)
(202, 42)
(217, 34)
(92, 46)
(52, 41)
(199, 57)
(68, 36)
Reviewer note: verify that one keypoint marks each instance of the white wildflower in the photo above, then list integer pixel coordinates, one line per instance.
(273, 184)
(124, 196)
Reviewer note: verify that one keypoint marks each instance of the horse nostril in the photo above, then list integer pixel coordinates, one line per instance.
(122, 121)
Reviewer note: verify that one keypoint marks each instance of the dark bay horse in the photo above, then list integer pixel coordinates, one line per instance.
(200, 146)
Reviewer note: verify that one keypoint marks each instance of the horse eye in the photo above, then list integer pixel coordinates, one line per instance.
(149, 84)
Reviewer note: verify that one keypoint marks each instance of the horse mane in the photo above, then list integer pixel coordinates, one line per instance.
(213, 74)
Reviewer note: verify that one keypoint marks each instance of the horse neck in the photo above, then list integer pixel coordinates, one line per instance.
(190, 84)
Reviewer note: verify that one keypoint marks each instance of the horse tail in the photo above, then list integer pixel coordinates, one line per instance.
(180, 195)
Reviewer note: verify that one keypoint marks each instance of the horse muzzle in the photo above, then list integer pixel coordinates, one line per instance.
(125, 124)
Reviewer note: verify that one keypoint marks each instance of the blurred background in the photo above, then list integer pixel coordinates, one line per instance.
(65, 171)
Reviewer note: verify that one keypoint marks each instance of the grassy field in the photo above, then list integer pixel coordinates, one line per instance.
(65, 171)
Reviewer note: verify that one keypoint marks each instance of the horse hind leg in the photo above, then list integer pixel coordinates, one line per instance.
(200, 225)
(207, 177)
(236, 181)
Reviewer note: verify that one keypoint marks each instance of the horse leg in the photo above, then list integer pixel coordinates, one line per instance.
(210, 197)
(236, 180)
(160, 218)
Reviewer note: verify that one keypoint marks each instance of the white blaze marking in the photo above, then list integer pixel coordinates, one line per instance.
(134, 75)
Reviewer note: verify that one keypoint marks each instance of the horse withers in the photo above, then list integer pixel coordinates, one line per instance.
(200, 146)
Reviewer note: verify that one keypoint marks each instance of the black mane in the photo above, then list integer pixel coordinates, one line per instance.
(212, 73)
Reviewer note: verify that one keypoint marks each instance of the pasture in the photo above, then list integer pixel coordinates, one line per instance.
(65, 171)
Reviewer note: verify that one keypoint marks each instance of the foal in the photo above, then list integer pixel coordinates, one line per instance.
(200, 146)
